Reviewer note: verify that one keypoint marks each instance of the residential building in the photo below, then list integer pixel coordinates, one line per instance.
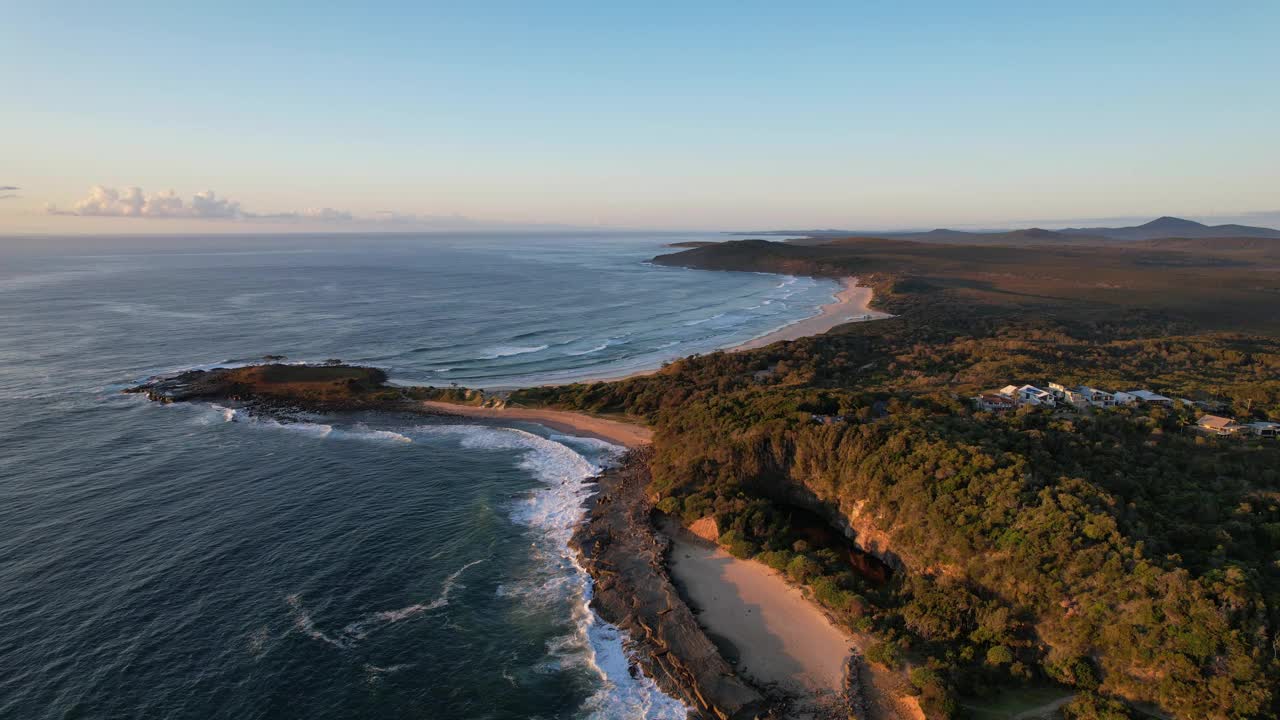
(1098, 398)
(1074, 396)
(1145, 397)
(994, 402)
(1031, 395)
(1264, 429)
(1218, 425)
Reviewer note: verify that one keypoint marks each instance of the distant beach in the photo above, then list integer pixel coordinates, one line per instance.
(852, 304)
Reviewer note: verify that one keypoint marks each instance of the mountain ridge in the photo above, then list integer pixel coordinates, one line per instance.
(1166, 226)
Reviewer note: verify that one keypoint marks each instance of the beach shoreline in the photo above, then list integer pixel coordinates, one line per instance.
(628, 434)
(779, 636)
(852, 303)
(627, 557)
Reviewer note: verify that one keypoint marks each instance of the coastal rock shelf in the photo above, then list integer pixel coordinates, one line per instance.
(619, 548)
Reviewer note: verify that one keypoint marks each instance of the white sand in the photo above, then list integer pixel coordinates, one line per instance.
(573, 423)
(776, 634)
(851, 305)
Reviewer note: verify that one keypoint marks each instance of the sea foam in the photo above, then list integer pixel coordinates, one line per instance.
(508, 350)
(555, 510)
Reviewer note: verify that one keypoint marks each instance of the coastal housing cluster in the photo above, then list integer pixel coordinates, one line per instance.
(1084, 397)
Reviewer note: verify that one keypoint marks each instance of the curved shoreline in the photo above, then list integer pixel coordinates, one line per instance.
(619, 546)
(852, 304)
(745, 604)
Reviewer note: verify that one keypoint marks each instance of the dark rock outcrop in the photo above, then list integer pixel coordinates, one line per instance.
(632, 590)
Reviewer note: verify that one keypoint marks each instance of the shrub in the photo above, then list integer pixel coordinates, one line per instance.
(670, 505)
(885, 653)
(802, 568)
(999, 655)
(1091, 706)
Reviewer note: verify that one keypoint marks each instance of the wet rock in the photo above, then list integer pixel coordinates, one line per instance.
(619, 548)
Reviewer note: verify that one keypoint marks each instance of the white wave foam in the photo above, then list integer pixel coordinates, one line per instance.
(555, 510)
(703, 320)
(313, 429)
(608, 343)
(374, 673)
(596, 349)
(508, 350)
(360, 629)
(361, 432)
(303, 622)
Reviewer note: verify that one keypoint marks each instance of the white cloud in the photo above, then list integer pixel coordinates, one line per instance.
(133, 202)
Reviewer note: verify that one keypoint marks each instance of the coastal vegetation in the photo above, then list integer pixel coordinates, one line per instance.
(1106, 551)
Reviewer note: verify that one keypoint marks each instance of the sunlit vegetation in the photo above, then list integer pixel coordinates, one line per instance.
(1108, 551)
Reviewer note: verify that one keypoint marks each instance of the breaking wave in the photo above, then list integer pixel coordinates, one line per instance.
(356, 631)
(313, 429)
(509, 350)
(554, 510)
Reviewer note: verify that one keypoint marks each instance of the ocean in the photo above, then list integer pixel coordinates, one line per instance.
(191, 561)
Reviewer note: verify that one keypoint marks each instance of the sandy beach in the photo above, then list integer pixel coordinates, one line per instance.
(851, 305)
(615, 431)
(773, 632)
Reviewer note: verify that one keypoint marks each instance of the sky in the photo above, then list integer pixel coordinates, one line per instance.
(242, 117)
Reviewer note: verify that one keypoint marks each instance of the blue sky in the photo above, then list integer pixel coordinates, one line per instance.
(724, 115)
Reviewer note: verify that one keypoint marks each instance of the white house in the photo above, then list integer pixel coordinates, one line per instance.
(1030, 395)
(1098, 398)
(1264, 429)
(1062, 393)
(1145, 397)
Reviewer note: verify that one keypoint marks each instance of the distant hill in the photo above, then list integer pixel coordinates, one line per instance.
(1165, 227)
(1172, 227)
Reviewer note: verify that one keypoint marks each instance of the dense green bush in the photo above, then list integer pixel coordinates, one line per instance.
(1106, 550)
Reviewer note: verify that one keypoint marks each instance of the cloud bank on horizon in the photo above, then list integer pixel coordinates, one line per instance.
(7, 191)
(134, 202)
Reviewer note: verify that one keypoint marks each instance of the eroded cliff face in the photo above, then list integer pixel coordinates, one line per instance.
(868, 531)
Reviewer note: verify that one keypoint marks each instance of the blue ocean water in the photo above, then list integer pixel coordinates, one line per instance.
(190, 561)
